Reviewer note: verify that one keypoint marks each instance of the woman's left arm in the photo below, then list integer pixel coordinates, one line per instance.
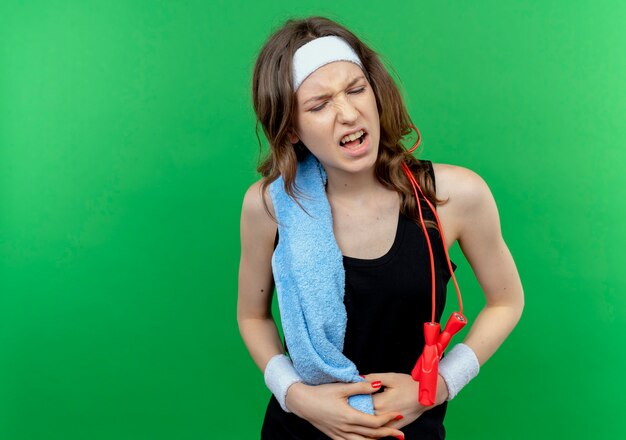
(472, 217)
(469, 216)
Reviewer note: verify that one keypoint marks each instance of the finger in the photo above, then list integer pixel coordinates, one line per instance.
(390, 417)
(381, 432)
(354, 436)
(382, 402)
(359, 418)
(386, 378)
(349, 435)
(350, 389)
(374, 376)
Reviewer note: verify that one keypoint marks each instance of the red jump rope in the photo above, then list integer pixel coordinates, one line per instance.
(426, 368)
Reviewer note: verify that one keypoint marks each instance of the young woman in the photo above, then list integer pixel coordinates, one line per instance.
(358, 264)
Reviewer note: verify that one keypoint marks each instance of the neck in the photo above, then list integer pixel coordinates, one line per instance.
(354, 187)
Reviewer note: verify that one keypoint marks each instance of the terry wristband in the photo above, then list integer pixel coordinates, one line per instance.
(458, 367)
(279, 376)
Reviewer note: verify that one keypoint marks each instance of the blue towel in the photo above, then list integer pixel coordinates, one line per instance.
(310, 282)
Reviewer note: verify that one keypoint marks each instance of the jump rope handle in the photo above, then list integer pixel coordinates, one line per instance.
(453, 326)
(426, 368)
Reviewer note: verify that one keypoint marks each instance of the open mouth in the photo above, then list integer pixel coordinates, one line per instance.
(353, 140)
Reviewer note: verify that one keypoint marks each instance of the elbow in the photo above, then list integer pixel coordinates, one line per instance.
(510, 305)
(518, 306)
(520, 301)
(247, 319)
(243, 318)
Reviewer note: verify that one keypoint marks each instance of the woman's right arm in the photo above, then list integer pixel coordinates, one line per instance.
(324, 406)
(254, 304)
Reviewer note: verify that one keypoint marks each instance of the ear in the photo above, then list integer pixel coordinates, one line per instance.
(293, 138)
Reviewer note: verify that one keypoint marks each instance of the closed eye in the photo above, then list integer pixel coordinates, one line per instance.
(351, 92)
(357, 91)
(319, 107)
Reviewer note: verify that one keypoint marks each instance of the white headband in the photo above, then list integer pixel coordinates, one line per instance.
(318, 53)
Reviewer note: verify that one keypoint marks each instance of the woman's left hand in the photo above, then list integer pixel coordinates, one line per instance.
(401, 395)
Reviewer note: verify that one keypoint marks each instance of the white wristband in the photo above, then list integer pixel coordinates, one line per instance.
(458, 367)
(279, 376)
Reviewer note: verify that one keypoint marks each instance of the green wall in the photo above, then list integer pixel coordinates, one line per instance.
(127, 142)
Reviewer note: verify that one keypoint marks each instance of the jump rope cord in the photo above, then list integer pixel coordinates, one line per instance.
(417, 188)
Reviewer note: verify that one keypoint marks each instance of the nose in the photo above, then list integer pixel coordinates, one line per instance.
(347, 113)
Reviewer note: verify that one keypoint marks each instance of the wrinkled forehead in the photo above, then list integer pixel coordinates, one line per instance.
(318, 53)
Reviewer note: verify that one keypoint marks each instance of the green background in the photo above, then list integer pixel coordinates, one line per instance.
(127, 142)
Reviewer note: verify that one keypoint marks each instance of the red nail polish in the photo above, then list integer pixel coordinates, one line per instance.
(360, 375)
(399, 417)
(401, 437)
(376, 384)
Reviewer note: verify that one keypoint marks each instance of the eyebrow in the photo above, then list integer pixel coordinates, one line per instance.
(328, 95)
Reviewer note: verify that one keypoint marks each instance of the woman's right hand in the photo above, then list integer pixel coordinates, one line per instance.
(326, 407)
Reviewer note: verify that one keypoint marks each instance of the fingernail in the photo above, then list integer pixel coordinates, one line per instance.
(376, 384)
(401, 437)
(399, 417)
(360, 375)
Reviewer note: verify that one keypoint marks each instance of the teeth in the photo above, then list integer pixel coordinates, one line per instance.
(352, 136)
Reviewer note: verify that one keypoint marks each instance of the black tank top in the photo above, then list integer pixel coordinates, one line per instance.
(387, 301)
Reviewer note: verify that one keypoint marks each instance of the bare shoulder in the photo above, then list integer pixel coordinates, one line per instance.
(460, 186)
(256, 221)
(255, 200)
(469, 209)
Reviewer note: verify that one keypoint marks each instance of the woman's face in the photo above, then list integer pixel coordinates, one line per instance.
(336, 103)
